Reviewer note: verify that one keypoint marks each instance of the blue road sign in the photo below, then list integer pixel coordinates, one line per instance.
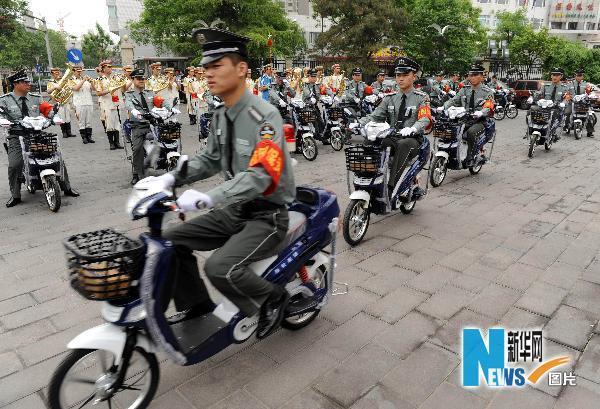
(38, 68)
(74, 55)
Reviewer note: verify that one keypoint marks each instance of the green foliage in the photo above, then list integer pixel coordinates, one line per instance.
(20, 47)
(96, 45)
(10, 10)
(511, 25)
(360, 28)
(460, 44)
(169, 25)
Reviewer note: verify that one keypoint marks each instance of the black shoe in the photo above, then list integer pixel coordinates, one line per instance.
(590, 135)
(272, 312)
(134, 179)
(112, 147)
(196, 311)
(72, 193)
(13, 202)
(418, 193)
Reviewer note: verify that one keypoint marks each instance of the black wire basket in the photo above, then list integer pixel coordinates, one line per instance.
(335, 113)
(104, 265)
(363, 160)
(581, 108)
(443, 130)
(307, 115)
(540, 117)
(41, 144)
(169, 132)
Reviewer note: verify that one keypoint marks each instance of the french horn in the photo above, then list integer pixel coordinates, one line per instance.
(63, 90)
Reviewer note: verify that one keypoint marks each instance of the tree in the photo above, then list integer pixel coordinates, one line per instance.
(169, 25)
(96, 45)
(529, 47)
(511, 25)
(360, 28)
(456, 47)
(10, 10)
(23, 48)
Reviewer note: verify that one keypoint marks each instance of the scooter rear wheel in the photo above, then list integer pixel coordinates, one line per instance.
(300, 321)
(475, 169)
(337, 140)
(406, 208)
(578, 132)
(309, 149)
(439, 169)
(85, 375)
(512, 112)
(532, 143)
(356, 221)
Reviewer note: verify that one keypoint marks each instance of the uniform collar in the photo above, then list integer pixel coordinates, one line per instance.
(18, 98)
(234, 111)
(410, 91)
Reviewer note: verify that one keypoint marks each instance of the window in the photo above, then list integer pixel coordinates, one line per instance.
(484, 1)
(572, 25)
(112, 11)
(501, 1)
(522, 2)
(484, 19)
(556, 25)
(520, 85)
(537, 23)
(590, 26)
(538, 3)
(312, 37)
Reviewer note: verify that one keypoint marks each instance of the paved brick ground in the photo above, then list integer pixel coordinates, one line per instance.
(517, 245)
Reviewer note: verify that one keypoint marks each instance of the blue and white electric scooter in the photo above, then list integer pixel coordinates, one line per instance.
(115, 363)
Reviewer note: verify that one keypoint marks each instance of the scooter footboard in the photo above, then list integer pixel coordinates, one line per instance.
(109, 337)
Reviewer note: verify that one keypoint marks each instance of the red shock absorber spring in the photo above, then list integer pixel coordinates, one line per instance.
(304, 274)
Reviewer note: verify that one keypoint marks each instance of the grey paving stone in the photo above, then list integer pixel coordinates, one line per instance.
(388, 281)
(29, 402)
(588, 365)
(9, 363)
(484, 272)
(417, 376)
(173, 400)
(585, 295)
(522, 398)
(578, 255)
(343, 307)
(449, 335)
(494, 301)
(461, 259)
(40, 311)
(351, 336)
(352, 275)
(432, 279)
(396, 304)
(12, 339)
(470, 283)
(485, 242)
(281, 383)
(500, 258)
(449, 396)
(413, 244)
(519, 276)
(446, 302)
(543, 254)
(561, 275)
(310, 399)
(421, 260)
(381, 262)
(407, 334)
(218, 382)
(381, 397)
(346, 383)
(517, 318)
(16, 303)
(520, 242)
(592, 272)
(569, 228)
(537, 228)
(585, 395)
(237, 400)
(542, 298)
(554, 350)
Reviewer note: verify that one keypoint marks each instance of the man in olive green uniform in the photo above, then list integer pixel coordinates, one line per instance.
(377, 85)
(280, 91)
(355, 90)
(138, 102)
(478, 99)
(249, 217)
(409, 113)
(15, 106)
(438, 82)
(557, 92)
(578, 87)
(311, 93)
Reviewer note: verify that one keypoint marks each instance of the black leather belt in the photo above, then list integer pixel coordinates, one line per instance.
(260, 205)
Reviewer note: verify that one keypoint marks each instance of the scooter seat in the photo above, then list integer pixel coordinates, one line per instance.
(296, 228)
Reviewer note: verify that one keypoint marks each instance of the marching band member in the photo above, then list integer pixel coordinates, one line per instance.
(110, 104)
(82, 99)
(155, 68)
(336, 81)
(127, 69)
(64, 112)
(172, 91)
(249, 81)
(187, 87)
(200, 89)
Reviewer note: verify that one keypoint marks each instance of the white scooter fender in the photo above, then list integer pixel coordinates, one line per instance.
(360, 195)
(45, 174)
(173, 156)
(442, 154)
(109, 337)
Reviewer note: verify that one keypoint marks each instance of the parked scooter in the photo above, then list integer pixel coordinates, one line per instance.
(115, 363)
(451, 147)
(368, 173)
(582, 116)
(502, 107)
(332, 118)
(304, 118)
(42, 158)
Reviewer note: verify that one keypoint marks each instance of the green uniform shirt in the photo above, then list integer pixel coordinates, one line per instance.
(277, 91)
(377, 87)
(582, 87)
(463, 98)
(313, 90)
(11, 104)
(389, 110)
(354, 89)
(133, 101)
(250, 119)
(547, 89)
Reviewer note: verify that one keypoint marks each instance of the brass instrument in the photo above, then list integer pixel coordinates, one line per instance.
(115, 82)
(62, 92)
(342, 84)
(157, 84)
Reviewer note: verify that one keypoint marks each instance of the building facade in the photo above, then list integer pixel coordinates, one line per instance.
(577, 20)
(301, 11)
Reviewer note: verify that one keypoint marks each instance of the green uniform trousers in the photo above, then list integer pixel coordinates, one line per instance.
(241, 235)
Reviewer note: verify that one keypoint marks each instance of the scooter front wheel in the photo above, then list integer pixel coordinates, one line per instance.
(86, 377)
(439, 169)
(406, 208)
(337, 140)
(356, 221)
(512, 112)
(578, 132)
(499, 114)
(532, 143)
(309, 148)
(52, 192)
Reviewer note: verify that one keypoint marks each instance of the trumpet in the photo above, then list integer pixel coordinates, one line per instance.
(63, 90)
(115, 82)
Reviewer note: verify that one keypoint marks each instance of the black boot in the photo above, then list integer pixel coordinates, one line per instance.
(63, 129)
(192, 119)
(272, 312)
(88, 134)
(68, 128)
(110, 135)
(83, 136)
(116, 140)
(103, 125)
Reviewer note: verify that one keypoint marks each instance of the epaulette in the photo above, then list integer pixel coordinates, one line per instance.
(255, 114)
(486, 88)
(419, 92)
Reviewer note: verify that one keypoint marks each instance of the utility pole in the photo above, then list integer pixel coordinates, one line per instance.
(46, 38)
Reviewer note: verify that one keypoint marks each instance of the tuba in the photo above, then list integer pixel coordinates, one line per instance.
(342, 87)
(115, 82)
(157, 84)
(63, 90)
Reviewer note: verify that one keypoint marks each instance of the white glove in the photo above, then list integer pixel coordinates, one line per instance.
(136, 113)
(313, 100)
(5, 122)
(192, 200)
(409, 130)
(357, 100)
(562, 104)
(477, 114)
(57, 120)
(530, 100)
(381, 95)
(452, 93)
(158, 183)
(440, 109)
(282, 103)
(175, 111)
